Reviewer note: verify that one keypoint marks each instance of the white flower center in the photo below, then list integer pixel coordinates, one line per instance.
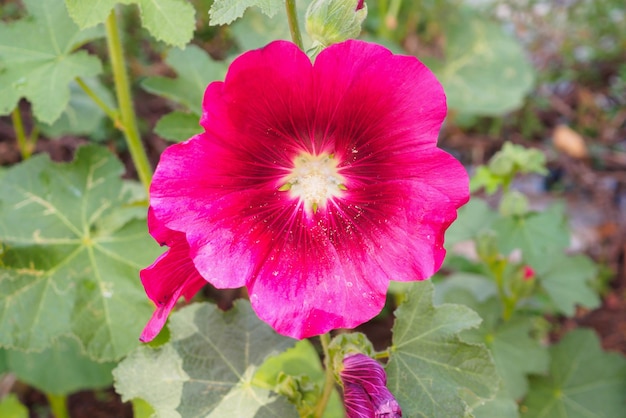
(314, 179)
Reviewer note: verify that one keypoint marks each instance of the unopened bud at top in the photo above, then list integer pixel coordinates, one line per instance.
(332, 21)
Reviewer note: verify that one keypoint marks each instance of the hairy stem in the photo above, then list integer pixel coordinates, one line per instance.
(26, 148)
(113, 114)
(390, 22)
(58, 405)
(508, 302)
(124, 101)
(383, 354)
(329, 382)
(294, 28)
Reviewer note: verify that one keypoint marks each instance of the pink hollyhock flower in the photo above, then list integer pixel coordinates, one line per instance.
(365, 389)
(311, 185)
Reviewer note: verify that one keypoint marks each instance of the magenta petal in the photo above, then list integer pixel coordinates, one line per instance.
(365, 391)
(171, 276)
(391, 102)
(357, 402)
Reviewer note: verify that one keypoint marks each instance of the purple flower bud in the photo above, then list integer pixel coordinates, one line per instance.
(365, 391)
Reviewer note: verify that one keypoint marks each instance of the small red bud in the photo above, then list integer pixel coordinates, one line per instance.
(360, 5)
(529, 273)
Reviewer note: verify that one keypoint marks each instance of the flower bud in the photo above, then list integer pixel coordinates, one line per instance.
(365, 391)
(522, 282)
(528, 273)
(332, 21)
(513, 203)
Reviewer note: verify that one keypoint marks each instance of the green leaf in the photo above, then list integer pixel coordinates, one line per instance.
(225, 11)
(537, 235)
(178, 126)
(37, 62)
(208, 366)
(584, 381)
(11, 407)
(195, 70)
(73, 256)
(431, 371)
(502, 406)
(82, 116)
(301, 360)
(567, 282)
(485, 71)
(142, 409)
(3, 361)
(464, 288)
(155, 375)
(60, 369)
(256, 30)
(515, 353)
(170, 21)
(476, 216)
(487, 179)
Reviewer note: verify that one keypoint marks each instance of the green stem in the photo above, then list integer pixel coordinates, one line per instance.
(58, 405)
(383, 32)
(508, 302)
(111, 113)
(393, 11)
(294, 28)
(329, 383)
(124, 102)
(22, 142)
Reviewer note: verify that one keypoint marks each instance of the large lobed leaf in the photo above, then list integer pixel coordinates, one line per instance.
(61, 369)
(225, 11)
(207, 369)
(195, 69)
(73, 253)
(38, 62)
(82, 116)
(485, 70)
(502, 406)
(567, 280)
(584, 381)
(536, 234)
(431, 371)
(516, 354)
(298, 361)
(178, 126)
(170, 21)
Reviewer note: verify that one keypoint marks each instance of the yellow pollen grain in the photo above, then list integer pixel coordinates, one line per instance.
(314, 179)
